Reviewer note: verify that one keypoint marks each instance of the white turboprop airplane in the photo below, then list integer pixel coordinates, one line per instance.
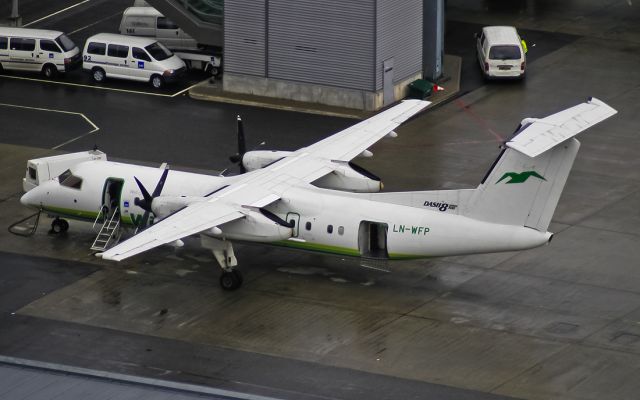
(316, 199)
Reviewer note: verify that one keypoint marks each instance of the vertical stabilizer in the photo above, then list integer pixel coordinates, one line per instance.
(525, 183)
(520, 190)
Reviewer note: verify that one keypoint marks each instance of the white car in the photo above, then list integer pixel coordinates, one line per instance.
(142, 59)
(501, 53)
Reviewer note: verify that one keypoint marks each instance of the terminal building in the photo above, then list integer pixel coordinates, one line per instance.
(359, 54)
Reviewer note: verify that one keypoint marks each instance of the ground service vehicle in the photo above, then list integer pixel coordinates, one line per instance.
(128, 57)
(49, 52)
(500, 52)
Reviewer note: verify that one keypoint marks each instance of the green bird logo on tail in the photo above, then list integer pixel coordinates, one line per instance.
(520, 177)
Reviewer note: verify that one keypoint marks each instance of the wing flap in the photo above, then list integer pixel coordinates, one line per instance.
(193, 219)
(545, 133)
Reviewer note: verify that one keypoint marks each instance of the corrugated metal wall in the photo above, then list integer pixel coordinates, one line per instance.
(244, 38)
(399, 33)
(329, 42)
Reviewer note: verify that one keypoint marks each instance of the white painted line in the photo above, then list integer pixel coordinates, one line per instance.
(95, 23)
(100, 87)
(86, 86)
(184, 90)
(55, 13)
(94, 130)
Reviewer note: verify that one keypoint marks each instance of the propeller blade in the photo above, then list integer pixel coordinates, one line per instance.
(145, 202)
(143, 222)
(242, 146)
(160, 185)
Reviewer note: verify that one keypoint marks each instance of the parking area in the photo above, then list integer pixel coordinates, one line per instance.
(560, 321)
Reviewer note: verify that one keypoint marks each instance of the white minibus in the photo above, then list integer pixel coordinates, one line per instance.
(108, 55)
(39, 50)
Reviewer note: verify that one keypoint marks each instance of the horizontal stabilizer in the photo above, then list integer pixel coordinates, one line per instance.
(539, 135)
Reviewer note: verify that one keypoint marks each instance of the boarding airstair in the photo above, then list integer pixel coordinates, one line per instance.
(109, 234)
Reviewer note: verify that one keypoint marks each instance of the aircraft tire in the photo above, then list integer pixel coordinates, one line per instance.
(59, 226)
(231, 280)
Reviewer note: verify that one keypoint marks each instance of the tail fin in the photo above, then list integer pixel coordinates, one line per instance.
(525, 183)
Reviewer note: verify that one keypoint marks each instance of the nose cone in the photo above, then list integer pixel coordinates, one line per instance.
(31, 198)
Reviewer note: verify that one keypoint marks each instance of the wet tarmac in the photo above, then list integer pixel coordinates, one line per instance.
(561, 321)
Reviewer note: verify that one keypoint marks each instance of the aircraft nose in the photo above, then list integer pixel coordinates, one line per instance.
(31, 198)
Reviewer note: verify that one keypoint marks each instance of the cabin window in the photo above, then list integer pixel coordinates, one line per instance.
(165, 23)
(49, 45)
(307, 226)
(140, 54)
(341, 230)
(116, 50)
(69, 180)
(22, 44)
(97, 48)
(3, 43)
(32, 173)
(329, 229)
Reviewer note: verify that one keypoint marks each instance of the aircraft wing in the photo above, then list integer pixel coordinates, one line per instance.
(192, 219)
(544, 133)
(347, 144)
(262, 187)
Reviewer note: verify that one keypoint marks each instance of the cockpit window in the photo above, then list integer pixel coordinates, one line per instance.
(69, 180)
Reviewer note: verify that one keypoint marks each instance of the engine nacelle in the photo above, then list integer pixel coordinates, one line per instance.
(255, 227)
(164, 206)
(257, 159)
(350, 177)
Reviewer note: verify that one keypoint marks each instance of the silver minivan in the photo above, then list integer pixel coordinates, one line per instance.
(49, 52)
(108, 55)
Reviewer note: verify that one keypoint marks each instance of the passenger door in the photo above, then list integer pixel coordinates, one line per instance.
(22, 54)
(140, 63)
(119, 60)
(49, 52)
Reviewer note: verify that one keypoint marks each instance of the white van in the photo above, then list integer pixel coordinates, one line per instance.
(500, 52)
(149, 22)
(109, 55)
(39, 50)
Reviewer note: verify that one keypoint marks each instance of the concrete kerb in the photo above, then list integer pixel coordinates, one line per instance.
(209, 91)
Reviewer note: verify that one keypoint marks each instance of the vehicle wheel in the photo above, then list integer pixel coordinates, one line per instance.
(49, 71)
(231, 280)
(59, 225)
(1, 69)
(98, 74)
(157, 81)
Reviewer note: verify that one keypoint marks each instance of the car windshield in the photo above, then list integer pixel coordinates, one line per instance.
(158, 51)
(66, 43)
(504, 53)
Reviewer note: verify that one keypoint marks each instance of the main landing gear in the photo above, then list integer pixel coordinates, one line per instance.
(59, 225)
(231, 278)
